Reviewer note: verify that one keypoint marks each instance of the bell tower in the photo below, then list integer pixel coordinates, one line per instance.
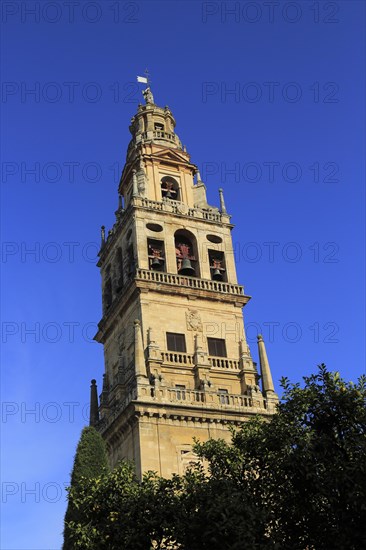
(177, 364)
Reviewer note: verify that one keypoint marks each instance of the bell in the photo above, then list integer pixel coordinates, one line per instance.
(187, 268)
(217, 275)
(168, 194)
(155, 263)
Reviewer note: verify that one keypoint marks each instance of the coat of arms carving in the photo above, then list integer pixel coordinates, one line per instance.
(194, 321)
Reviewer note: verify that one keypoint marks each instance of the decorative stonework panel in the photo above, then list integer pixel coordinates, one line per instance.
(194, 322)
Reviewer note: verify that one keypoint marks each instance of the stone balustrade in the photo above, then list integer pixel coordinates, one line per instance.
(208, 400)
(191, 282)
(224, 363)
(179, 208)
(176, 357)
(158, 135)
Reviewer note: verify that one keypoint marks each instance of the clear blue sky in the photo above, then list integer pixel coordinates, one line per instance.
(269, 101)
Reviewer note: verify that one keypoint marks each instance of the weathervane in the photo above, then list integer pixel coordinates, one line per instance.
(149, 98)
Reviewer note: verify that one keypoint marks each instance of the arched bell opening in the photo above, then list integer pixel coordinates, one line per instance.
(118, 269)
(170, 188)
(217, 265)
(108, 289)
(156, 254)
(131, 263)
(186, 253)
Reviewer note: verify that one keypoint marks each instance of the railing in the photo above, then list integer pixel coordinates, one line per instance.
(194, 397)
(148, 203)
(180, 358)
(158, 134)
(224, 363)
(180, 208)
(211, 216)
(177, 358)
(191, 282)
(176, 396)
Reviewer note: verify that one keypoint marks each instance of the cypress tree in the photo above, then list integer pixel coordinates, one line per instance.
(89, 462)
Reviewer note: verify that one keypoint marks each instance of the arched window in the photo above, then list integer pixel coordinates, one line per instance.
(186, 253)
(170, 188)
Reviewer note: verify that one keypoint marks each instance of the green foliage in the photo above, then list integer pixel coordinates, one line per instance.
(89, 463)
(116, 511)
(296, 482)
(306, 468)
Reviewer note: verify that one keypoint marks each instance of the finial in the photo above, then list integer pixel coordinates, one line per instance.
(135, 190)
(267, 383)
(197, 344)
(102, 234)
(151, 336)
(140, 366)
(198, 176)
(222, 202)
(105, 383)
(94, 410)
(149, 98)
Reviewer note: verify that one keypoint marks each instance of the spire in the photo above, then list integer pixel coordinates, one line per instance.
(222, 202)
(140, 366)
(267, 383)
(94, 411)
(152, 348)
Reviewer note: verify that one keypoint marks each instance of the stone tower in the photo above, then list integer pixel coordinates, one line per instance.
(177, 364)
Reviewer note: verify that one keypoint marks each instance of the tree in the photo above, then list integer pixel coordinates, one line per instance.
(306, 468)
(295, 482)
(117, 511)
(89, 463)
